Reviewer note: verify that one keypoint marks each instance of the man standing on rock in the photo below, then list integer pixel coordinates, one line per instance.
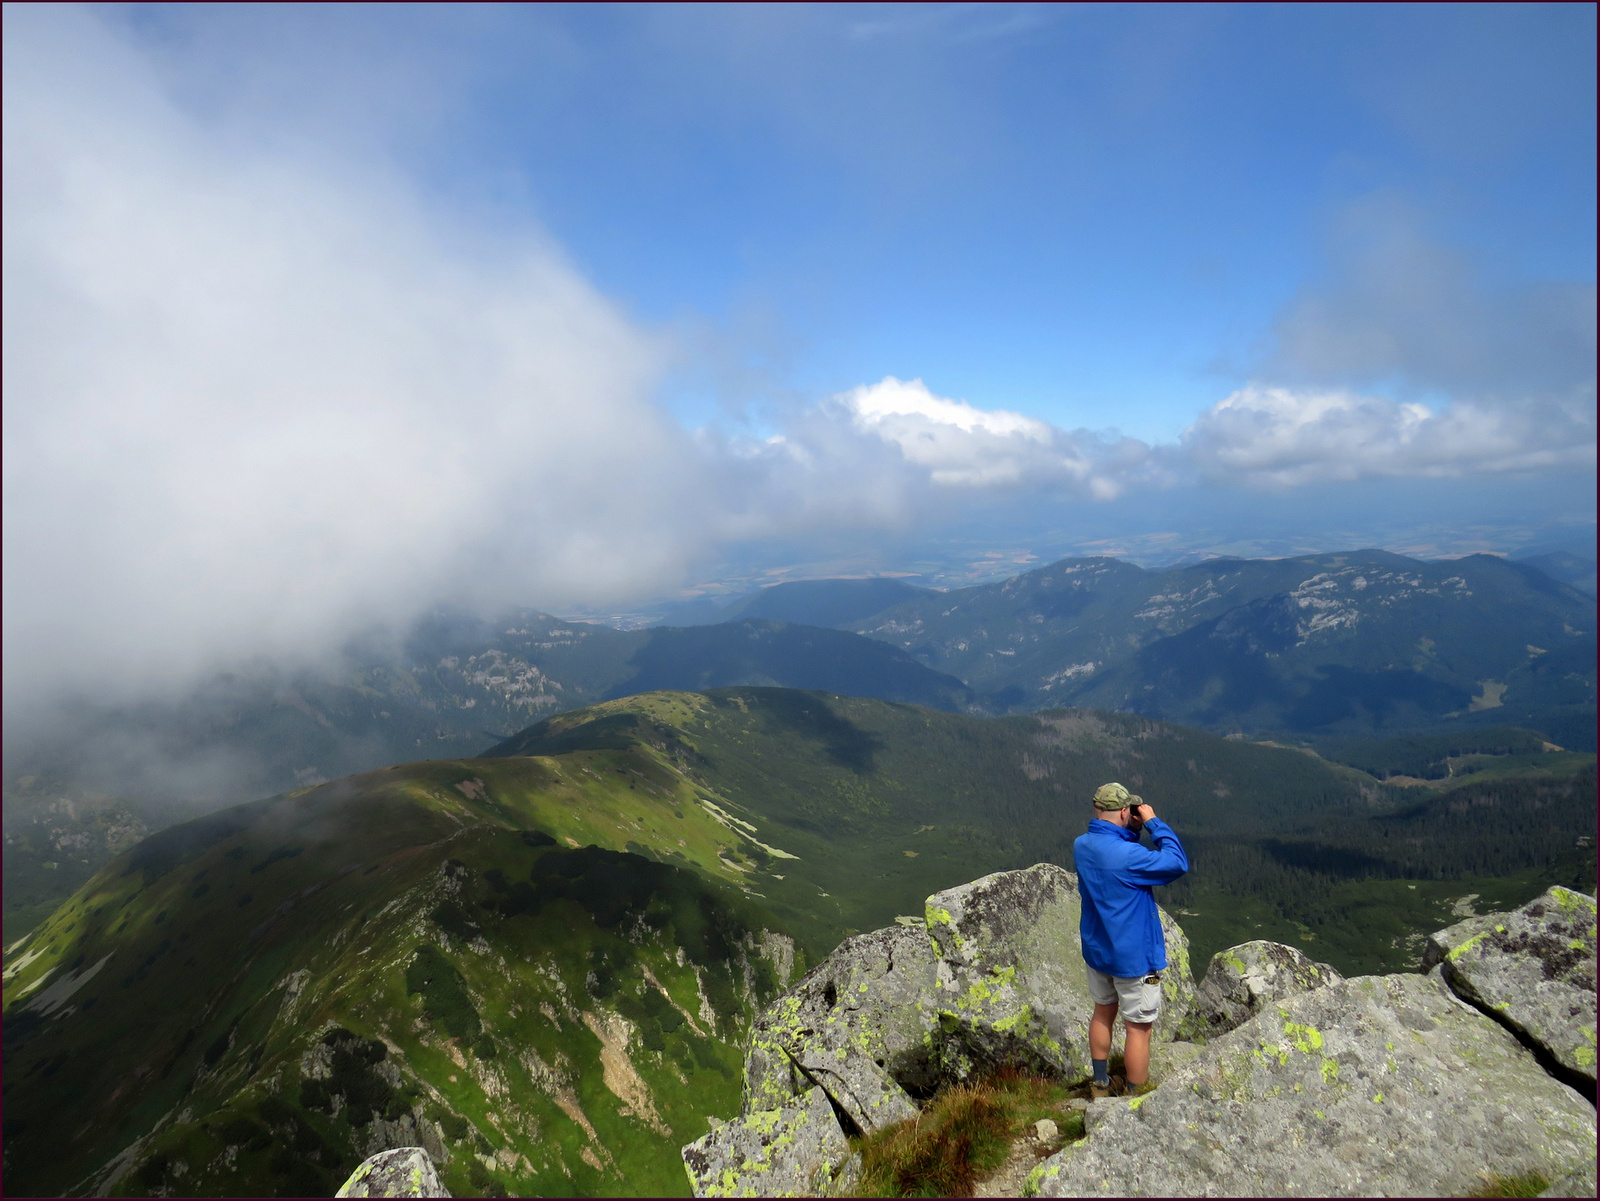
(1123, 945)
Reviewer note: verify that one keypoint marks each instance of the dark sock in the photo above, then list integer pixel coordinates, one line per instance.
(1102, 1074)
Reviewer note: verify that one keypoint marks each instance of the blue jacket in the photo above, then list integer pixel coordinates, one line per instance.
(1121, 929)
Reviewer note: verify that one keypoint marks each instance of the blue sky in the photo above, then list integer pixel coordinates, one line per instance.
(317, 315)
(1093, 215)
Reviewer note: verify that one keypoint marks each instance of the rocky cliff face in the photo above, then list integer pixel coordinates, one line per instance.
(1287, 1079)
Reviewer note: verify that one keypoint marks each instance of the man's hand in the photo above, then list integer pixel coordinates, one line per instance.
(1144, 813)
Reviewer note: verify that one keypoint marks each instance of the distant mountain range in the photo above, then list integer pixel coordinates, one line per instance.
(451, 686)
(1319, 644)
(1327, 644)
(1566, 567)
(834, 603)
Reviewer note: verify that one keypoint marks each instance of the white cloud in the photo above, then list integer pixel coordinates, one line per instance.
(258, 395)
(1282, 437)
(253, 398)
(961, 446)
(1507, 370)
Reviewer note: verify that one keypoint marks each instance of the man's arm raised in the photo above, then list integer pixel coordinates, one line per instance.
(1166, 862)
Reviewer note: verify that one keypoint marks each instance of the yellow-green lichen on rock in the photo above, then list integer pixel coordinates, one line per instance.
(858, 1024)
(1327, 1093)
(1241, 980)
(1011, 980)
(1533, 970)
(797, 1151)
(399, 1172)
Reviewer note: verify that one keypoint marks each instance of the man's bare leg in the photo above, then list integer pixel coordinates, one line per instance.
(1135, 1050)
(1100, 1031)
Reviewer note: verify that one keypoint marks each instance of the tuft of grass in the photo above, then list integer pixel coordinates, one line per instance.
(964, 1133)
(1527, 1184)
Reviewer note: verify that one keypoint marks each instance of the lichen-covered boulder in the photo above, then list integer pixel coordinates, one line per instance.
(1012, 984)
(1375, 1086)
(1534, 970)
(796, 1151)
(857, 1024)
(400, 1172)
(862, 1091)
(1244, 979)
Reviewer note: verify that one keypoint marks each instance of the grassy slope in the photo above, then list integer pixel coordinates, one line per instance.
(852, 786)
(884, 804)
(229, 956)
(454, 688)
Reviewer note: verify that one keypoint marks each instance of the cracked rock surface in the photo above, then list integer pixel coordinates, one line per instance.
(796, 1151)
(1012, 986)
(858, 1024)
(1534, 970)
(1374, 1086)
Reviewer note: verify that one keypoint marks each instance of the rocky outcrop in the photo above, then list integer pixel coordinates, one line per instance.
(1277, 1077)
(994, 977)
(1242, 980)
(1376, 1086)
(1011, 986)
(796, 1151)
(858, 1025)
(401, 1172)
(1534, 971)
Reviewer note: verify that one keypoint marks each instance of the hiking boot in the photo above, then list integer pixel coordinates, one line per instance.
(1114, 1088)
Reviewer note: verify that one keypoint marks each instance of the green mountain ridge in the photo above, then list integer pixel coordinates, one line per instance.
(540, 963)
(455, 685)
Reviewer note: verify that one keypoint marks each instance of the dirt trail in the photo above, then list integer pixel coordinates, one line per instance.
(1008, 1179)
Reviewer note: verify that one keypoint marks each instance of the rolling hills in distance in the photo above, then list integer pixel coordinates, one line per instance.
(832, 603)
(1322, 644)
(540, 962)
(1321, 651)
(1565, 566)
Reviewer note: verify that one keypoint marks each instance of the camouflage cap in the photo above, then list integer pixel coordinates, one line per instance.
(1114, 796)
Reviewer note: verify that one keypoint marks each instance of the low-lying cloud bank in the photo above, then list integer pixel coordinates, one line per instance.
(257, 397)
(1276, 437)
(254, 398)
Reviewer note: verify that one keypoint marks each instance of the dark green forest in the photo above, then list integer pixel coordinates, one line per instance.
(888, 803)
(1426, 756)
(1356, 887)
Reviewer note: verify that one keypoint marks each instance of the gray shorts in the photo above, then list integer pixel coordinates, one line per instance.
(1139, 998)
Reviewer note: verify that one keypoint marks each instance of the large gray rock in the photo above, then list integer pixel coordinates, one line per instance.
(1242, 980)
(1012, 985)
(1581, 1183)
(1376, 1086)
(1534, 970)
(401, 1172)
(796, 1151)
(858, 1024)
